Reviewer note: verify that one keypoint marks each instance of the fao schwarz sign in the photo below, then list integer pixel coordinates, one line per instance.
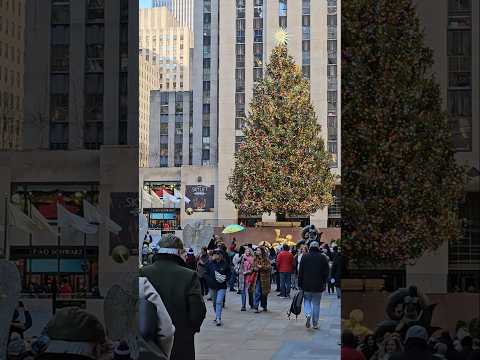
(40, 252)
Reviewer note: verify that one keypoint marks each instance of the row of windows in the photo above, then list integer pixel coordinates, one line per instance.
(240, 57)
(14, 6)
(11, 29)
(459, 52)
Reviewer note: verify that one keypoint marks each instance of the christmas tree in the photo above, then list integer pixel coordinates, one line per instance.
(282, 165)
(401, 184)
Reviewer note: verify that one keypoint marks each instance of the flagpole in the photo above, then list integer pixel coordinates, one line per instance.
(5, 230)
(85, 263)
(56, 279)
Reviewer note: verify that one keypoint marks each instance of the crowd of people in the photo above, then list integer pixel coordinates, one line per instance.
(416, 344)
(175, 286)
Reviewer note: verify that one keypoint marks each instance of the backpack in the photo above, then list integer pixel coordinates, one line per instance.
(296, 306)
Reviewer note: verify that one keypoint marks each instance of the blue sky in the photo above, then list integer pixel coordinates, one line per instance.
(145, 3)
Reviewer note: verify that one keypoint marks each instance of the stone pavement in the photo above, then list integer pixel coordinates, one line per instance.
(250, 336)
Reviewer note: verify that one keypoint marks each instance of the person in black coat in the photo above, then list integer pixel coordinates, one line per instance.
(336, 271)
(312, 279)
(218, 274)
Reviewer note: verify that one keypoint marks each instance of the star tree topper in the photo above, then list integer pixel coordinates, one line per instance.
(281, 37)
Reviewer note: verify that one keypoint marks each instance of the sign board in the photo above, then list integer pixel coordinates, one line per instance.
(202, 197)
(49, 252)
(124, 211)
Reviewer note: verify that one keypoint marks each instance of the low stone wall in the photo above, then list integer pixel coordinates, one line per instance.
(451, 307)
(256, 235)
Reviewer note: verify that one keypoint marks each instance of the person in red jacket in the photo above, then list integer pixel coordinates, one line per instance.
(348, 347)
(285, 267)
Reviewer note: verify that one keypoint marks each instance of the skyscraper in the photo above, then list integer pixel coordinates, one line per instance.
(163, 41)
(12, 27)
(84, 89)
(181, 9)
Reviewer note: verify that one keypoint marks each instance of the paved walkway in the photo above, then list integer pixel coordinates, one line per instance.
(250, 336)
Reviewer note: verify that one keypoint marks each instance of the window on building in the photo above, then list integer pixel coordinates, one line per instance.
(60, 12)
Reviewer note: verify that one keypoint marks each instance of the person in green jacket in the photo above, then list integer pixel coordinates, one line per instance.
(179, 288)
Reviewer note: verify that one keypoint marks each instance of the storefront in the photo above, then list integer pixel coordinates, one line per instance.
(40, 265)
(167, 219)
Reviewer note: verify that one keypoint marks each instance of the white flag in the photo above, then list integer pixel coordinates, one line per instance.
(167, 196)
(157, 201)
(18, 219)
(151, 200)
(179, 196)
(94, 215)
(40, 220)
(67, 219)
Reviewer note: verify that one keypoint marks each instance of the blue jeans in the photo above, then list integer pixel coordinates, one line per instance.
(258, 297)
(311, 302)
(218, 295)
(285, 281)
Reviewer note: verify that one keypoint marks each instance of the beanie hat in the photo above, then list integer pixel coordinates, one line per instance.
(416, 332)
(170, 244)
(314, 244)
(121, 351)
(75, 324)
(190, 251)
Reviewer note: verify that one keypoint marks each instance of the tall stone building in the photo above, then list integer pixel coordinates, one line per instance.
(149, 80)
(12, 28)
(181, 9)
(77, 53)
(163, 41)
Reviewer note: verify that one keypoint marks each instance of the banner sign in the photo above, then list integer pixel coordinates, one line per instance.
(124, 211)
(201, 197)
(49, 252)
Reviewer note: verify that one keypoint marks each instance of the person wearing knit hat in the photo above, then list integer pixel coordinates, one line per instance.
(179, 288)
(121, 351)
(416, 346)
(75, 331)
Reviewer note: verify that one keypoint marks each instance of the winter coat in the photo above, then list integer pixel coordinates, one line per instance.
(285, 262)
(263, 270)
(246, 266)
(314, 270)
(202, 269)
(221, 267)
(161, 346)
(336, 271)
(179, 288)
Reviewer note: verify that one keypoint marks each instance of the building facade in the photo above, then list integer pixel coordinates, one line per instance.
(456, 67)
(230, 57)
(181, 9)
(170, 137)
(88, 96)
(80, 141)
(149, 80)
(164, 42)
(12, 28)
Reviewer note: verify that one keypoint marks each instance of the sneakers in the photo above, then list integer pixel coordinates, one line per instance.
(256, 311)
(315, 326)
(308, 322)
(243, 309)
(219, 322)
